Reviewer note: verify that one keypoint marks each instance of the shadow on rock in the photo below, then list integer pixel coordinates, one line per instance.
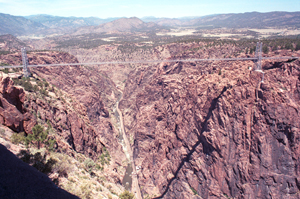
(19, 180)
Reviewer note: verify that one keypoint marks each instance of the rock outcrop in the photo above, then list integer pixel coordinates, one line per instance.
(213, 130)
(12, 111)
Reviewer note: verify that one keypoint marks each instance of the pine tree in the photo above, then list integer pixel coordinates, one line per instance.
(38, 135)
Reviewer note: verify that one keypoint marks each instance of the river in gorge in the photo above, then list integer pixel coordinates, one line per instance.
(127, 179)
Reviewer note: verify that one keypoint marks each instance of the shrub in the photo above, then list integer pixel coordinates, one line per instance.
(51, 144)
(126, 195)
(64, 166)
(51, 89)
(5, 70)
(17, 138)
(38, 135)
(28, 86)
(35, 88)
(252, 50)
(104, 157)
(89, 165)
(265, 49)
(40, 84)
(46, 84)
(15, 69)
(16, 81)
(193, 190)
(99, 167)
(44, 92)
(289, 46)
(2, 132)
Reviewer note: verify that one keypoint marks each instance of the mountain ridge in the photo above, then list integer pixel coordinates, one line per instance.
(17, 25)
(47, 24)
(75, 22)
(120, 25)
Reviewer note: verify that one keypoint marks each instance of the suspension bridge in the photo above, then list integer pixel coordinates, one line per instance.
(257, 59)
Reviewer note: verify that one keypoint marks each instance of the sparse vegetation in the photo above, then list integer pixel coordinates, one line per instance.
(89, 165)
(24, 82)
(126, 195)
(104, 157)
(3, 64)
(44, 92)
(18, 138)
(40, 86)
(193, 190)
(265, 49)
(28, 86)
(220, 72)
(5, 70)
(226, 196)
(37, 137)
(289, 46)
(2, 132)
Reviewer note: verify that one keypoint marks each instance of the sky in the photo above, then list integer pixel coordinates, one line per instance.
(142, 8)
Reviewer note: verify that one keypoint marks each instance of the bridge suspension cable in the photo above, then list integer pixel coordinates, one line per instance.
(257, 59)
(152, 61)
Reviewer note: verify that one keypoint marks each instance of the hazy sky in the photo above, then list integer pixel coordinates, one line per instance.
(141, 8)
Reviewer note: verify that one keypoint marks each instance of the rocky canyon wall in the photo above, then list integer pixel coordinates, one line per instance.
(213, 130)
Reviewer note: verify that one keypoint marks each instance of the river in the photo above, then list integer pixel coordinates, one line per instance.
(130, 180)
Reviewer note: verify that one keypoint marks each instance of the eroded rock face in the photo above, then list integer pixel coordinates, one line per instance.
(86, 122)
(12, 111)
(82, 122)
(91, 90)
(219, 134)
(69, 124)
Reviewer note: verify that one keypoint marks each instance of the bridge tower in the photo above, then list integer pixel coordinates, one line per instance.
(26, 71)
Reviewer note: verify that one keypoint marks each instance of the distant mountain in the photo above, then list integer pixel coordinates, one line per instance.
(251, 20)
(173, 21)
(241, 20)
(70, 22)
(49, 25)
(164, 21)
(17, 26)
(132, 24)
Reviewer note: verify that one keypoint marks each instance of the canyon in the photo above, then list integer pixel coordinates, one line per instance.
(188, 129)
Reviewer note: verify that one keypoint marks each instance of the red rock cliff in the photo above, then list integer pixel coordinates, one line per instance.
(12, 111)
(202, 132)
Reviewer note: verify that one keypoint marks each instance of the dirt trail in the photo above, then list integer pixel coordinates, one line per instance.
(135, 184)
